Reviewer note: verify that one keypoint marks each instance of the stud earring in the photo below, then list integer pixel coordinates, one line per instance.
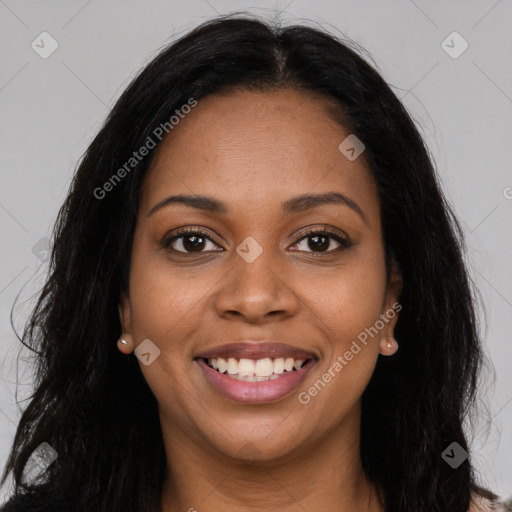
(124, 346)
(392, 347)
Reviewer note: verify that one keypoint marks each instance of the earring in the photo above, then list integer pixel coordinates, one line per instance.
(392, 347)
(124, 346)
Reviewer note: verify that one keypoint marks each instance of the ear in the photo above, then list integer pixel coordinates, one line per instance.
(390, 312)
(126, 343)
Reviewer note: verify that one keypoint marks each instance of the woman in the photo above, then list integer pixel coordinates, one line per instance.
(257, 297)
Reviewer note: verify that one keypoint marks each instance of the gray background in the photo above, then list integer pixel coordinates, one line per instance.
(51, 108)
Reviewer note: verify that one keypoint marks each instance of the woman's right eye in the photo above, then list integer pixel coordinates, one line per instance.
(190, 241)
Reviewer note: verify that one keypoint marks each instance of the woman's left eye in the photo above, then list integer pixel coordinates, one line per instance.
(320, 241)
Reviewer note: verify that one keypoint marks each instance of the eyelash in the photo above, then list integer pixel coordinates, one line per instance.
(183, 232)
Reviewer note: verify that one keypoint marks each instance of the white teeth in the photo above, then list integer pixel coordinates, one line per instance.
(279, 365)
(288, 364)
(254, 370)
(246, 367)
(252, 378)
(263, 367)
(222, 364)
(232, 366)
(298, 363)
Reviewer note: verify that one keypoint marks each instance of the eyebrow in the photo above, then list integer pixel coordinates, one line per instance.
(293, 205)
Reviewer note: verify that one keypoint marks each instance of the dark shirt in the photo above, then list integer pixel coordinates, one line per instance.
(36, 503)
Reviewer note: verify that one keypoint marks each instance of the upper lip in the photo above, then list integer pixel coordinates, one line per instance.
(256, 350)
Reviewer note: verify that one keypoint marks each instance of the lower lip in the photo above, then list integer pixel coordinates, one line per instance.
(255, 392)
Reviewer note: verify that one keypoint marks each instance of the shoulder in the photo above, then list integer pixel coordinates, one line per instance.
(482, 504)
(35, 502)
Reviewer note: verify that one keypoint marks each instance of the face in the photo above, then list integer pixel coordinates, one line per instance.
(272, 276)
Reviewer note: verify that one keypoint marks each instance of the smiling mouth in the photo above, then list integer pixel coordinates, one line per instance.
(255, 370)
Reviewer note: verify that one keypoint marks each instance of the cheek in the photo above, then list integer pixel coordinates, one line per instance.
(159, 306)
(165, 304)
(164, 310)
(346, 307)
(349, 301)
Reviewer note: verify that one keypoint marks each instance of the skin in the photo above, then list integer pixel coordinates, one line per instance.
(251, 150)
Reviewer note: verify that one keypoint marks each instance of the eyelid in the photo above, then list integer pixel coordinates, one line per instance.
(340, 237)
(181, 232)
(325, 229)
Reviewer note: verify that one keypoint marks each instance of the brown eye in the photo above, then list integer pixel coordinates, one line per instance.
(321, 241)
(190, 241)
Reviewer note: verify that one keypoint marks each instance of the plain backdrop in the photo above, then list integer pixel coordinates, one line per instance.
(52, 107)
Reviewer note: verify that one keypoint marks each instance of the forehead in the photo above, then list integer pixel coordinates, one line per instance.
(255, 146)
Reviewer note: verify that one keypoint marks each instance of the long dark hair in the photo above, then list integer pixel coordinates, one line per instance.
(92, 404)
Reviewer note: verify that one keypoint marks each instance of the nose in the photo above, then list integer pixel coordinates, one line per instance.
(256, 292)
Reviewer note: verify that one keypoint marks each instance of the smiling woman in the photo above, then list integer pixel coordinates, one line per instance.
(295, 325)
